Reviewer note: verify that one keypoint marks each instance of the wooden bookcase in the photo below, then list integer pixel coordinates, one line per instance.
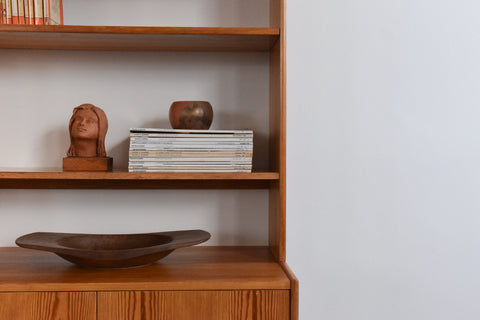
(194, 283)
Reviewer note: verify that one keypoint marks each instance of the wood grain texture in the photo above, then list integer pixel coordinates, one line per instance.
(294, 291)
(278, 128)
(112, 250)
(194, 268)
(48, 305)
(200, 305)
(87, 164)
(136, 38)
(130, 180)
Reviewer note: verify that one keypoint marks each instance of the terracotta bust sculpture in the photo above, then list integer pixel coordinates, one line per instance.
(88, 127)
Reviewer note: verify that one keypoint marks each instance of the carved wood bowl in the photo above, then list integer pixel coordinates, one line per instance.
(191, 115)
(112, 250)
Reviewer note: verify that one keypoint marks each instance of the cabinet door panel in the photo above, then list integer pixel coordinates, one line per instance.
(48, 305)
(198, 305)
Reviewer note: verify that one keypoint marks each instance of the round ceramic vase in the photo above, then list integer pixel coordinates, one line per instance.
(191, 115)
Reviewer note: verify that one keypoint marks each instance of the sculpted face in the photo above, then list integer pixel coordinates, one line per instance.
(88, 127)
(85, 125)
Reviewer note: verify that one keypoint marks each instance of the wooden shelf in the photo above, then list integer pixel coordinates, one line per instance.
(194, 268)
(129, 180)
(118, 38)
(247, 282)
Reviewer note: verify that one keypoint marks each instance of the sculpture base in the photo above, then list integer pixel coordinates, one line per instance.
(87, 164)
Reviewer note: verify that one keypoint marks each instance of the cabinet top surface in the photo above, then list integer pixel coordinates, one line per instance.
(194, 268)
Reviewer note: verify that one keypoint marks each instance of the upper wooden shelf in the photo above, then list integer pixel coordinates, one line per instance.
(130, 180)
(194, 268)
(119, 38)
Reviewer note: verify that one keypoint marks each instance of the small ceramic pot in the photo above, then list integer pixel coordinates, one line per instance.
(191, 115)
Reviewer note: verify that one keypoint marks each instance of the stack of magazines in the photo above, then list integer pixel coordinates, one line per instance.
(31, 12)
(176, 150)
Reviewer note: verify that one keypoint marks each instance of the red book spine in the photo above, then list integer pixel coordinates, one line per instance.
(46, 10)
(21, 11)
(60, 8)
(31, 12)
(3, 12)
(38, 11)
(14, 12)
(8, 4)
(27, 12)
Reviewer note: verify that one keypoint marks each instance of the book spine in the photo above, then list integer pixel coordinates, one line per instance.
(193, 154)
(8, 4)
(192, 159)
(14, 12)
(31, 12)
(27, 12)
(55, 14)
(181, 131)
(191, 170)
(191, 148)
(192, 143)
(46, 5)
(21, 11)
(174, 165)
(38, 8)
(3, 12)
(188, 139)
(153, 163)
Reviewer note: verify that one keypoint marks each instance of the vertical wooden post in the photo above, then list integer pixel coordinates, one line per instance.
(277, 196)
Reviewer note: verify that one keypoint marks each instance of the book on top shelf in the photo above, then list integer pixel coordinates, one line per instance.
(45, 11)
(14, 11)
(26, 12)
(8, 6)
(21, 11)
(31, 11)
(3, 12)
(53, 12)
(38, 11)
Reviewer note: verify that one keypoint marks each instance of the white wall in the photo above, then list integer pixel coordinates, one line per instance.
(39, 90)
(384, 158)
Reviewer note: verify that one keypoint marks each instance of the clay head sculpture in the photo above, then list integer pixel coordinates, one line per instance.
(88, 127)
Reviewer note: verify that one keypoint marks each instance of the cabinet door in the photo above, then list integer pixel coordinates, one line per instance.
(198, 305)
(48, 305)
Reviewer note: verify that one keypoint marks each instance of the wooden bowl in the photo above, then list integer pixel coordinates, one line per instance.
(112, 250)
(191, 115)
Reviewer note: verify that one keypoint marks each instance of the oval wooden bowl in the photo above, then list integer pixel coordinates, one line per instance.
(112, 250)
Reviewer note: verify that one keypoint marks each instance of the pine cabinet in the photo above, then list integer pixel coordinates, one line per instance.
(201, 305)
(205, 282)
(48, 305)
(195, 283)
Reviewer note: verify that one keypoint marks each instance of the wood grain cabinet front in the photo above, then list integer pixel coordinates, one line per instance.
(48, 306)
(198, 305)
